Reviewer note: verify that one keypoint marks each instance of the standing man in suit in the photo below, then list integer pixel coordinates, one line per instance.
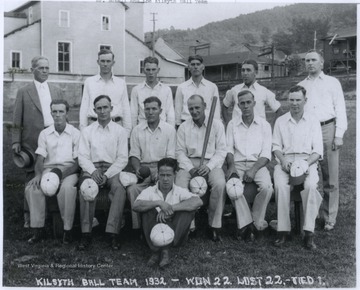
(105, 83)
(32, 114)
(196, 85)
(326, 102)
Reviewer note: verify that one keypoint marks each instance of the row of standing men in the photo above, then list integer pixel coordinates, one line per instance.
(323, 99)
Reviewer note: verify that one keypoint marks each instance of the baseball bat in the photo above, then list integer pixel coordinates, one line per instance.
(208, 129)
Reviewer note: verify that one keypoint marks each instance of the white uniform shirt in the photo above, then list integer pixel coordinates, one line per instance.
(45, 101)
(249, 143)
(116, 89)
(151, 146)
(141, 92)
(262, 97)
(107, 144)
(190, 141)
(206, 89)
(58, 149)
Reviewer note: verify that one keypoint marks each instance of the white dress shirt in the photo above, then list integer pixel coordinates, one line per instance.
(98, 144)
(58, 149)
(325, 100)
(116, 89)
(249, 143)
(45, 101)
(304, 137)
(206, 89)
(262, 97)
(190, 141)
(141, 92)
(151, 146)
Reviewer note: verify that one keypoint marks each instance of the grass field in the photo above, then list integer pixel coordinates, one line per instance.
(200, 263)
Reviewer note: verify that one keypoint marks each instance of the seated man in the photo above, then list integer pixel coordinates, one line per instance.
(297, 136)
(249, 150)
(190, 140)
(57, 148)
(166, 203)
(103, 153)
(150, 141)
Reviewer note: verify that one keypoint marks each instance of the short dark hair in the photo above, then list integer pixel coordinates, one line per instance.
(170, 162)
(101, 97)
(252, 62)
(195, 57)
(151, 59)
(152, 99)
(106, 51)
(245, 92)
(60, 101)
(298, 88)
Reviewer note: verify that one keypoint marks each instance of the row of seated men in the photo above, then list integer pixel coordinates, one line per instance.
(192, 106)
(101, 150)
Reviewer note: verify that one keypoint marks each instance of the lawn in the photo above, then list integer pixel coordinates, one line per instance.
(200, 263)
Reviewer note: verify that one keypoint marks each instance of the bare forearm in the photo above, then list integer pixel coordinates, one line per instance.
(313, 158)
(188, 205)
(145, 205)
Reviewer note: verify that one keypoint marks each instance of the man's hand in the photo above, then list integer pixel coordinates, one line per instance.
(161, 217)
(286, 165)
(103, 182)
(337, 143)
(16, 148)
(230, 171)
(35, 181)
(166, 208)
(203, 170)
(97, 175)
(193, 172)
(249, 175)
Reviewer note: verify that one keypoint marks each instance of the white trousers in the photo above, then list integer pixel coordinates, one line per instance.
(311, 198)
(66, 200)
(245, 215)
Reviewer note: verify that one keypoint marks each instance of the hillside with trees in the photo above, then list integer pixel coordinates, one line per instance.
(291, 28)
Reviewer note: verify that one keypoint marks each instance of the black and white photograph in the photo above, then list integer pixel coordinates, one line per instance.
(179, 144)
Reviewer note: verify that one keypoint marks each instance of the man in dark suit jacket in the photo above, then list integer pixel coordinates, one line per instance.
(32, 113)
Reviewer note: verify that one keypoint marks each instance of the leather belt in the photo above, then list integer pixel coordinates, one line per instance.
(115, 119)
(327, 122)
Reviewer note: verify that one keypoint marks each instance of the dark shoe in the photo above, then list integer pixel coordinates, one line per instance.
(309, 241)
(165, 258)
(154, 259)
(192, 234)
(67, 237)
(115, 243)
(215, 234)
(246, 233)
(85, 241)
(281, 239)
(39, 235)
(260, 235)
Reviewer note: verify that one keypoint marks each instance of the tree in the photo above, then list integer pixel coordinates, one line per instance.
(265, 35)
(250, 38)
(282, 41)
(294, 65)
(302, 31)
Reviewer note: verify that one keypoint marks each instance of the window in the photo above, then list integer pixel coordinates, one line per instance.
(141, 66)
(64, 57)
(15, 59)
(30, 15)
(266, 68)
(64, 19)
(105, 46)
(105, 23)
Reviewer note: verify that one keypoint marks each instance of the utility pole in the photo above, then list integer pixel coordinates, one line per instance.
(153, 34)
(315, 39)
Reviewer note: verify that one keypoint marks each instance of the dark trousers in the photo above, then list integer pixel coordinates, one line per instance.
(179, 222)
